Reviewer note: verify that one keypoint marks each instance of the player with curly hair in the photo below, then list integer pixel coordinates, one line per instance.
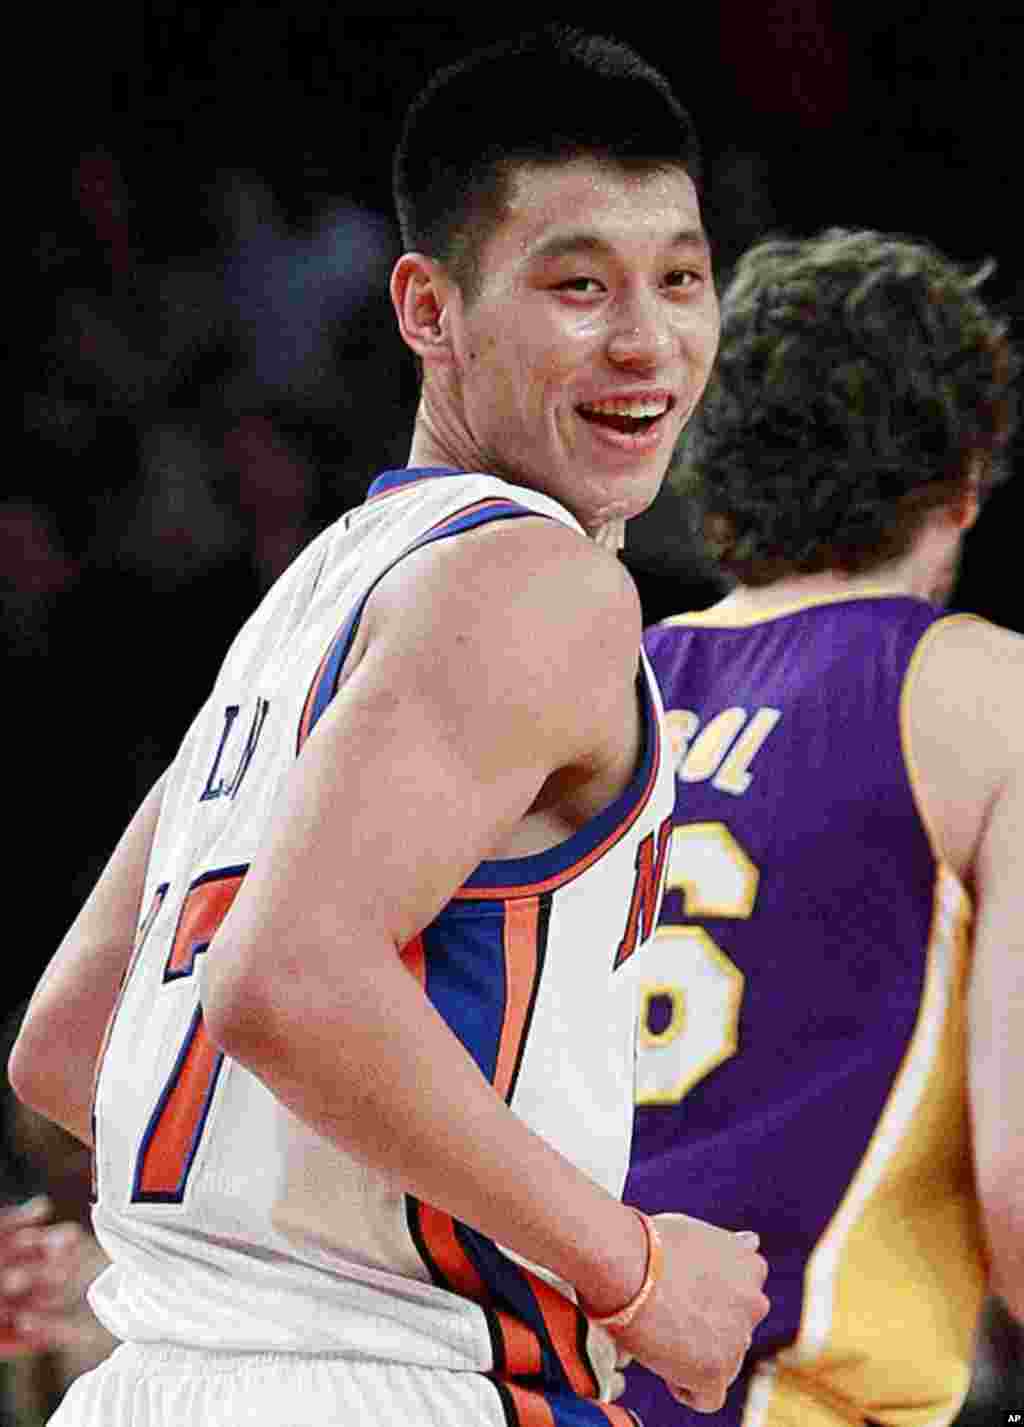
(832, 1029)
(862, 372)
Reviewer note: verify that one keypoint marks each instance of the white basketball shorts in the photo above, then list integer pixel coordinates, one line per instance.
(152, 1385)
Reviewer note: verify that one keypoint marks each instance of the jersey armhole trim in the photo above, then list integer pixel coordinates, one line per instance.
(538, 872)
(714, 618)
(325, 682)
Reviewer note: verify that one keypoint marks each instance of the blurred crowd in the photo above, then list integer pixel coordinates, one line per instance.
(191, 423)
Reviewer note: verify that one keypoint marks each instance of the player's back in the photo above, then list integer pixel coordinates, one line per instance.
(802, 1054)
(231, 1224)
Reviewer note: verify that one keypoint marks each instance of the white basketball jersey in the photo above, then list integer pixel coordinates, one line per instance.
(229, 1223)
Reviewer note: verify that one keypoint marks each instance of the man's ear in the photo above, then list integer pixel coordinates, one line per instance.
(420, 293)
(967, 507)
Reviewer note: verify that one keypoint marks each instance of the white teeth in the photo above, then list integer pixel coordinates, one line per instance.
(643, 406)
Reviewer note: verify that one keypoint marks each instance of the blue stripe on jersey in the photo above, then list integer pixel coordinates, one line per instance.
(511, 1290)
(465, 979)
(479, 512)
(482, 963)
(407, 476)
(327, 675)
(565, 1409)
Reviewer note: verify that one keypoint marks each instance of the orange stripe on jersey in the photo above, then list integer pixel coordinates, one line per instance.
(617, 1416)
(414, 956)
(564, 1323)
(466, 510)
(448, 1254)
(530, 1408)
(307, 708)
(541, 1331)
(403, 486)
(523, 1357)
(521, 923)
(520, 1346)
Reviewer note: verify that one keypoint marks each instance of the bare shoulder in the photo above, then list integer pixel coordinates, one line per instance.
(508, 652)
(529, 549)
(532, 587)
(963, 733)
(968, 668)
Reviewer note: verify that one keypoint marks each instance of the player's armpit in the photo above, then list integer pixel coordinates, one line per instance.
(72, 1003)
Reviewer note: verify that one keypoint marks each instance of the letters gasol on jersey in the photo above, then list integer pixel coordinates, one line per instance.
(723, 749)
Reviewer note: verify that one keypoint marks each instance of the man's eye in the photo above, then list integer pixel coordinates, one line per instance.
(579, 284)
(683, 277)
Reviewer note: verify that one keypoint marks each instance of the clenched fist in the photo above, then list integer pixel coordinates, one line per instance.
(695, 1328)
(44, 1270)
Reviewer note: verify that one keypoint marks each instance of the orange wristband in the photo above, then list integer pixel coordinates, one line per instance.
(655, 1263)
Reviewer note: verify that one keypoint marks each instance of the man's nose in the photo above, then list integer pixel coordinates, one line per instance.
(642, 337)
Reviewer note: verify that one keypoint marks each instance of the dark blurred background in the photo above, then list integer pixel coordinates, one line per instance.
(210, 363)
(210, 367)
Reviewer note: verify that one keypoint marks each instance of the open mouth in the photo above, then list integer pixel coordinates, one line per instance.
(630, 418)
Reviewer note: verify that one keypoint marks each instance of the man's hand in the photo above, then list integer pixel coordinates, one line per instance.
(43, 1275)
(695, 1329)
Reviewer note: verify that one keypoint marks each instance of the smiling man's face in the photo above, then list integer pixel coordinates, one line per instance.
(590, 336)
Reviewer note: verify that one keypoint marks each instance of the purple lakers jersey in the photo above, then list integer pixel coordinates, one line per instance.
(801, 1062)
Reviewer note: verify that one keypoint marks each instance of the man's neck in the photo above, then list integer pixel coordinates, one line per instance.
(433, 447)
(927, 571)
(828, 584)
(430, 448)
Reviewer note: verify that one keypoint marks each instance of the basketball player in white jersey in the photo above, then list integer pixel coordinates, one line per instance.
(361, 1115)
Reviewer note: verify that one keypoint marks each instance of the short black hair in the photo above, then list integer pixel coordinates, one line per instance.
(860, 380)
(547, 96)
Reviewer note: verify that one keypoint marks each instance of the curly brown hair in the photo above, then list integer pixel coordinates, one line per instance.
(860, 382)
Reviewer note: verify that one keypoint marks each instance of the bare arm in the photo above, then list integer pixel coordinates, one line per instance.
(968, 740)
(488, 667)
(54, 1058)
(997, 1038)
